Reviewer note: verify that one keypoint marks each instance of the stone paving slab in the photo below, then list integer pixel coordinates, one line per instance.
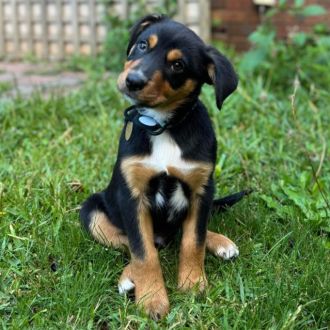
(25, 78)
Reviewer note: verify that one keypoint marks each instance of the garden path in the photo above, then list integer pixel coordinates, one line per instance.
(19, 78)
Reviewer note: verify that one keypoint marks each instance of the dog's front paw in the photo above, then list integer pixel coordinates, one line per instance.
(125, 286)
(190, 278)
(221, 246)
(155, 304)
(150, 292)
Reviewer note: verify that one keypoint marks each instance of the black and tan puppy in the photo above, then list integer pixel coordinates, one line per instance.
(162, 182)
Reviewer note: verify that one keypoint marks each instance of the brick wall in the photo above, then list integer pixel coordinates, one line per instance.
(234, 20)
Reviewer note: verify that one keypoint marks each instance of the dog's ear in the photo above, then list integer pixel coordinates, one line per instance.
(221, 74)
(141, 25)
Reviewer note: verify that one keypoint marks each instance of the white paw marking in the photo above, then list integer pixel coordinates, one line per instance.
(125, 286)
(228, 252)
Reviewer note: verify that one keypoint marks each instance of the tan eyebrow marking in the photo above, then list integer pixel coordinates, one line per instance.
(153, 40)
(174, 54)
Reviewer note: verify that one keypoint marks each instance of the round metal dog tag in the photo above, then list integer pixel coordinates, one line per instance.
(128, 130)
(148, 121)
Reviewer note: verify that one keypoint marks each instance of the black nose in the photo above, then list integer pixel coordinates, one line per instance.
(135, 81)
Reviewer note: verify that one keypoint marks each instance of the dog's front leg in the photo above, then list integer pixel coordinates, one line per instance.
(193, 244)
(144, 271)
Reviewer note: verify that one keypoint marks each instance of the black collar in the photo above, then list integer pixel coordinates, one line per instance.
(135, 115)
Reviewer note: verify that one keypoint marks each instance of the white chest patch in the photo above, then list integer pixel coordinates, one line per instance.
(165, 152)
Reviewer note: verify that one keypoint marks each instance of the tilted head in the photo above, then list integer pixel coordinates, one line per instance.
(167, 64)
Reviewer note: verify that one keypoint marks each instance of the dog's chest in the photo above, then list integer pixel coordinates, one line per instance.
(165, 164)
(165, 154)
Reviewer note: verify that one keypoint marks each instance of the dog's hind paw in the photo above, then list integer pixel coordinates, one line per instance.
(221, 246)
(229, 252)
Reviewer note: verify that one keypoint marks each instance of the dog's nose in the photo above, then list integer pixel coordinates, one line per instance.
(135, 81)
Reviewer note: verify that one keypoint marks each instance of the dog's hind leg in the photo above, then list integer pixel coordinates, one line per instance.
(221, 246)
(94, 218)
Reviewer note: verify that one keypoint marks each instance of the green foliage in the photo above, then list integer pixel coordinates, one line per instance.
(5, 87)
(313, 10)
(297, 70)
(304, 55)
(306, 196)
(56, 152)
(83, 63)
(273, 136)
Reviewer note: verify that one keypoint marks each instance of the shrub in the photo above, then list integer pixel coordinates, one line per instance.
(303, 56)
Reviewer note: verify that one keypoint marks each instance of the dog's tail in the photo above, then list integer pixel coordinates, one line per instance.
(221, 204)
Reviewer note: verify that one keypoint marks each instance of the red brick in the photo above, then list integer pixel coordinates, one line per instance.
(219, 4)
(240, 17)
(235, 16)
(241, 5)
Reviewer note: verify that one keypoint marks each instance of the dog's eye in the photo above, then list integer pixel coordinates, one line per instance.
(177, 66)
(142, 46)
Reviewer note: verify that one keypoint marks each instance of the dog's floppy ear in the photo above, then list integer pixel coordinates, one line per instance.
(221, 74)
(140, 25)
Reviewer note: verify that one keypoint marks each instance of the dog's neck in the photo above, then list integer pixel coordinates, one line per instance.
(171, 118)
(159, 116)
(156, 121)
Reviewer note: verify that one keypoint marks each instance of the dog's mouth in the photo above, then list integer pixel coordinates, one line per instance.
(143, 98)
(151, 94)
(132, 99)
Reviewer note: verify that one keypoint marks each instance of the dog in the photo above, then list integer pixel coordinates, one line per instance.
(162, 181)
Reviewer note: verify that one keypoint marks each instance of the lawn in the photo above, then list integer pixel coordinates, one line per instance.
(55, 152)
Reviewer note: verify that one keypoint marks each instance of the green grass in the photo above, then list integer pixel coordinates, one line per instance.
(5, 86)
(281, 279)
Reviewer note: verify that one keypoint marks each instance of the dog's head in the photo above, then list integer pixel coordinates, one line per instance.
(167, 64)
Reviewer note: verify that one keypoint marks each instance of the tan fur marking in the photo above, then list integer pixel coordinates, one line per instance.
(211, 72)
(191, 264)
(173, 55)
(137, 175)
(176, 97)
(215, 240)
(196, 178)
(151, 93)
(159, 93)
(129, 65)
(153, 40)
(105, 232)
(146, 274)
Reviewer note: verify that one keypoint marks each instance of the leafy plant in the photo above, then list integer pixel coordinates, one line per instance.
(5, 86)
(300, 193)
(303, 55)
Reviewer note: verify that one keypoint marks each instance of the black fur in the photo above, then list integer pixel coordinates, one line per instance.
(190, 129)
